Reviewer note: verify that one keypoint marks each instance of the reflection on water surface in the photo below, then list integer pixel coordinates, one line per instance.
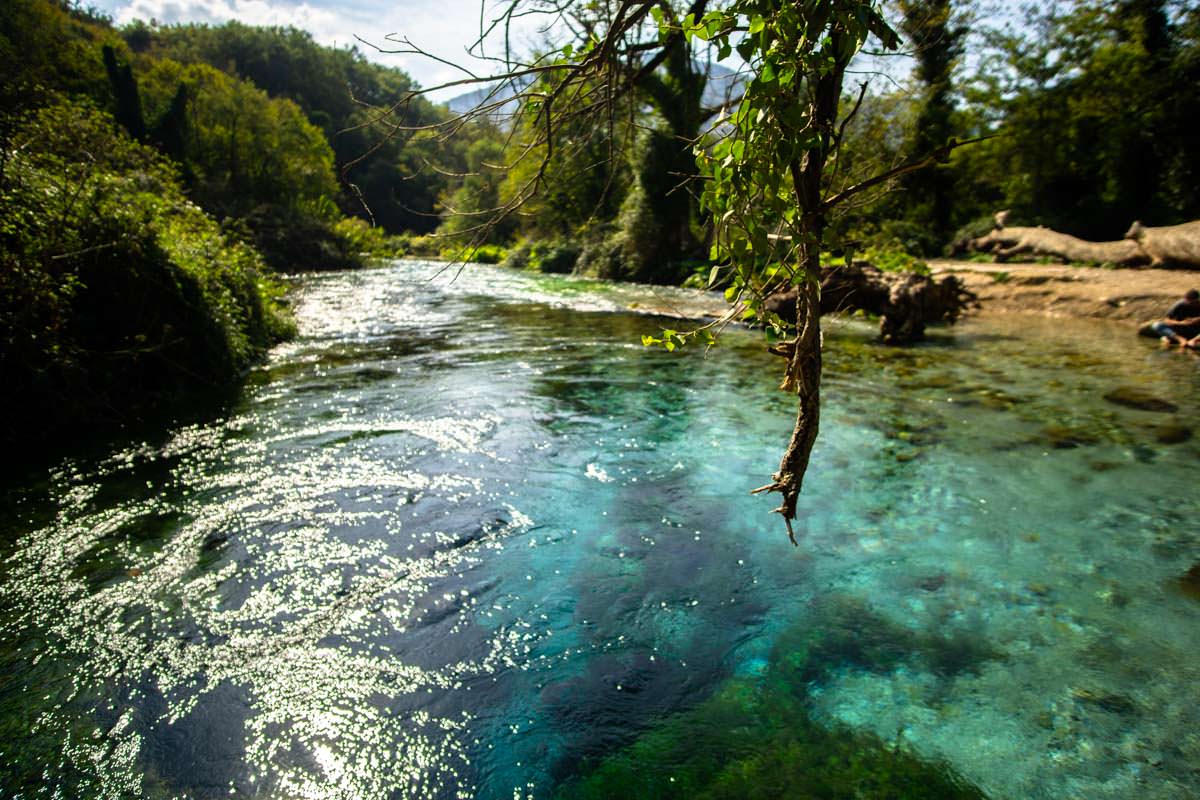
(470, 539)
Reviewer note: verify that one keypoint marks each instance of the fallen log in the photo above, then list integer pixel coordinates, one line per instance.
(1005, 243)
(1172, 244)
(904, 301)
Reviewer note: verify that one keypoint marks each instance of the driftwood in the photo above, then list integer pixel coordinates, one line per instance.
(1173, 244)
(905, 302)
(1007, 242)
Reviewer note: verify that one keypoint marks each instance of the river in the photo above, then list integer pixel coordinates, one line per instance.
(467, 537)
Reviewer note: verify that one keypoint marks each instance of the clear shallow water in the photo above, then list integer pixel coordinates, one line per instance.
(466, 539)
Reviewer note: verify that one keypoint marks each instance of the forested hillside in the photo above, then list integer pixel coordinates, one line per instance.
(153, 180)
(341, 93)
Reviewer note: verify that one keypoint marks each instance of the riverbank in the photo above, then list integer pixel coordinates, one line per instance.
(1054, 290)
(1120, 295)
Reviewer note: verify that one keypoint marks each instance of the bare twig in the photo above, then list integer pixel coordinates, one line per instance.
(938, 156)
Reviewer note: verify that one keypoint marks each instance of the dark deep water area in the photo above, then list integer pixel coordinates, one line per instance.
(470, 539)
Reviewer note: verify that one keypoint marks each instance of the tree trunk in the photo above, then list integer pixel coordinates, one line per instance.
(803, 375)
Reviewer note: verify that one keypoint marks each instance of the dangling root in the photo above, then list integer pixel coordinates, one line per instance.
(803, 376)
(787, 520)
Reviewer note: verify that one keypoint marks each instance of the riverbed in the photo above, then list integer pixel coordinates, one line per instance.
(467, 537)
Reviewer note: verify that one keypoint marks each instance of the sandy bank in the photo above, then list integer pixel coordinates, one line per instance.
(1128, 295)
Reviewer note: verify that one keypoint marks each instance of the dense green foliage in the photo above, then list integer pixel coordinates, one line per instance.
(245, 157)
(117, 294)
(340, 92)
(919, 214)
(242, 148)
(145, 196)
(44, 47)
(1094, 104)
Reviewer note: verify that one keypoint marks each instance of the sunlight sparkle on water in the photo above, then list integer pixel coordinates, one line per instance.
(454, 542)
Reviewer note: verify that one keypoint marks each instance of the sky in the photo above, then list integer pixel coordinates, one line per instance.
(442, 27)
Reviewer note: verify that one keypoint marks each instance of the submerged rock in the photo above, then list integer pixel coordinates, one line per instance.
(1062, 437)
(1189, 582)
(1108, 701)
(1172, 434)
(932, 583)
(1140, 399)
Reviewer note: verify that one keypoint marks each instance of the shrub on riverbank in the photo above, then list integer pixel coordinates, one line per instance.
(117, 295)
(557, 256)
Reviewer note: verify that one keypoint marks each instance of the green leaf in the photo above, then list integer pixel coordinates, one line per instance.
(713, 274)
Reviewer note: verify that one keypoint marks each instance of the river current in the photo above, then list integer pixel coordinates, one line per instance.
(467, 537)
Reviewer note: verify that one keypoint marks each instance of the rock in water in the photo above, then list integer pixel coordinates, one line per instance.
(1132, 397)
(1189, 583)
(1172, 434)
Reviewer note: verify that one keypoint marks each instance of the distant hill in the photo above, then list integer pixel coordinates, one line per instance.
(472, 100)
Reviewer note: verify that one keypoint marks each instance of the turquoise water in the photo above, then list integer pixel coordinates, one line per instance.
(468, 538)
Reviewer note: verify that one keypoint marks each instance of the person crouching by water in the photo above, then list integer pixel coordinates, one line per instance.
(1182, 325)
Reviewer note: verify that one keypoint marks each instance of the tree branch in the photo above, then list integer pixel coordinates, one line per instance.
(938, 156)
